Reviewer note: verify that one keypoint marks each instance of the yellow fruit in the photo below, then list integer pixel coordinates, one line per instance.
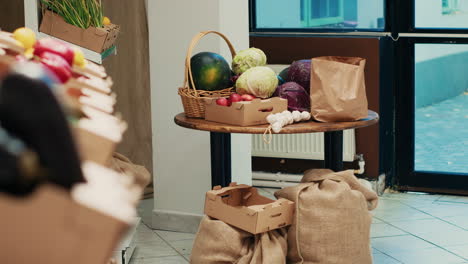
(26, 36)
(106, 21)
(79, 58)
(29, 53)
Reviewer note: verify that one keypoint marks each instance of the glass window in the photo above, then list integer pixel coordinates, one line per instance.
(441, 114)
(345, 14)
(449, 14)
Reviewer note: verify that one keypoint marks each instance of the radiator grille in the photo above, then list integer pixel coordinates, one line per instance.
(301, 146)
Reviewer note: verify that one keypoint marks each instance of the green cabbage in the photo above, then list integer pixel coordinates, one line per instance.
(247, 59)
(258, 81)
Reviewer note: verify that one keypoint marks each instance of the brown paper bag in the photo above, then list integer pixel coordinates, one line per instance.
(332, 221)
(338, 89)
(217, 242)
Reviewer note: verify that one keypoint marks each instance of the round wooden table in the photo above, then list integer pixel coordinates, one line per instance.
(221, 140)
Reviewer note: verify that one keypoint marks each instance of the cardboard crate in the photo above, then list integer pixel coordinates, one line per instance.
(49, 227)
(9, 49)
(95, 39)
(244, 113)
(93, 83)
(241, 206)
(91, 69)
(98, 135)
(87, 97)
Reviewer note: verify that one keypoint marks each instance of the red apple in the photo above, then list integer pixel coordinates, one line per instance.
(54, 46)
(57, 65)
(222, 101)
(247, 97)
(235, 98)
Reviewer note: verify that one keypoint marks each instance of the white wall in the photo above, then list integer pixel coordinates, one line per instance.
(182, 156)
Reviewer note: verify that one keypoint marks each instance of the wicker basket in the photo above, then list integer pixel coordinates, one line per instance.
(193, 99)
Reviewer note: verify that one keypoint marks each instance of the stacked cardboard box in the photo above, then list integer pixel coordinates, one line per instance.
(91, 223)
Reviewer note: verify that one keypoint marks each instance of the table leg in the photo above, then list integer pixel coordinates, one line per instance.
(334, 150)
(220, 159)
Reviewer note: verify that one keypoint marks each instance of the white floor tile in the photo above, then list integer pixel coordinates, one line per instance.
(385, 230)
(461, 251)
(425, 226)
(174, 236)
(184, 247)
(153, 249)
(461, 221)
(396, 244)
(444, 209)
(380, 258)
(453, 199)
(161, 260)
(401, 213)
(187, 257)
(427, 256)
(144, 234)
(444, 239)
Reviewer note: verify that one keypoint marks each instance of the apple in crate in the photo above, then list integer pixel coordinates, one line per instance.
(222, 101)
(247, 97)
(235, 98)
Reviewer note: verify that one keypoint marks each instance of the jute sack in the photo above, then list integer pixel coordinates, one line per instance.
(338, 89)
(140, 175)
(217, 242)
(332, 221)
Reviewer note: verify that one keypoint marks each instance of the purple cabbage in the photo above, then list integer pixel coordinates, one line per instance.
(299, 72)
(298, 98)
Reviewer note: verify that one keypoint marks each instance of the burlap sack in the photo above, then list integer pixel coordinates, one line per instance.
(332, 221)
(338, 89)
(140, 175)
(217, 242)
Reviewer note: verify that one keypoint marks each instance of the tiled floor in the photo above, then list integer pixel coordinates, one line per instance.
(441, 143)
(408, 228)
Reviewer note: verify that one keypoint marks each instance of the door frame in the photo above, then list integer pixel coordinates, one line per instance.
(408, 178)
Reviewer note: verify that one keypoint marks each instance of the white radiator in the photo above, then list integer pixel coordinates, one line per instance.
(301, 146)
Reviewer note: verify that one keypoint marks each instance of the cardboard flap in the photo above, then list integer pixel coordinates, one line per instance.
(100, 32)
(8, 42)
(267, 104)
(225, 190)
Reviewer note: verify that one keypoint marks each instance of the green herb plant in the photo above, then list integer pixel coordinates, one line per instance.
(80, 13)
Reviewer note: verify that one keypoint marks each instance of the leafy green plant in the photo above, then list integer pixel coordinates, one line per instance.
(80, 13)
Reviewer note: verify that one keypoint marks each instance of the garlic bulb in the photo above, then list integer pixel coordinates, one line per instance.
(279, 120)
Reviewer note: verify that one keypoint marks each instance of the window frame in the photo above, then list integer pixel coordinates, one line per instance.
(397, 131)
(255, 29)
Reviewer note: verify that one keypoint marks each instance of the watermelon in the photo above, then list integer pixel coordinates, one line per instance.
(210, 71)
(284, 74)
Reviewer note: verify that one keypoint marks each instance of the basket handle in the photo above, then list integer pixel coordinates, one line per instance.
(188, 69)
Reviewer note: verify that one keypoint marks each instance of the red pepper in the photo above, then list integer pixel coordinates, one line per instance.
(54, 46)
(57, 65)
